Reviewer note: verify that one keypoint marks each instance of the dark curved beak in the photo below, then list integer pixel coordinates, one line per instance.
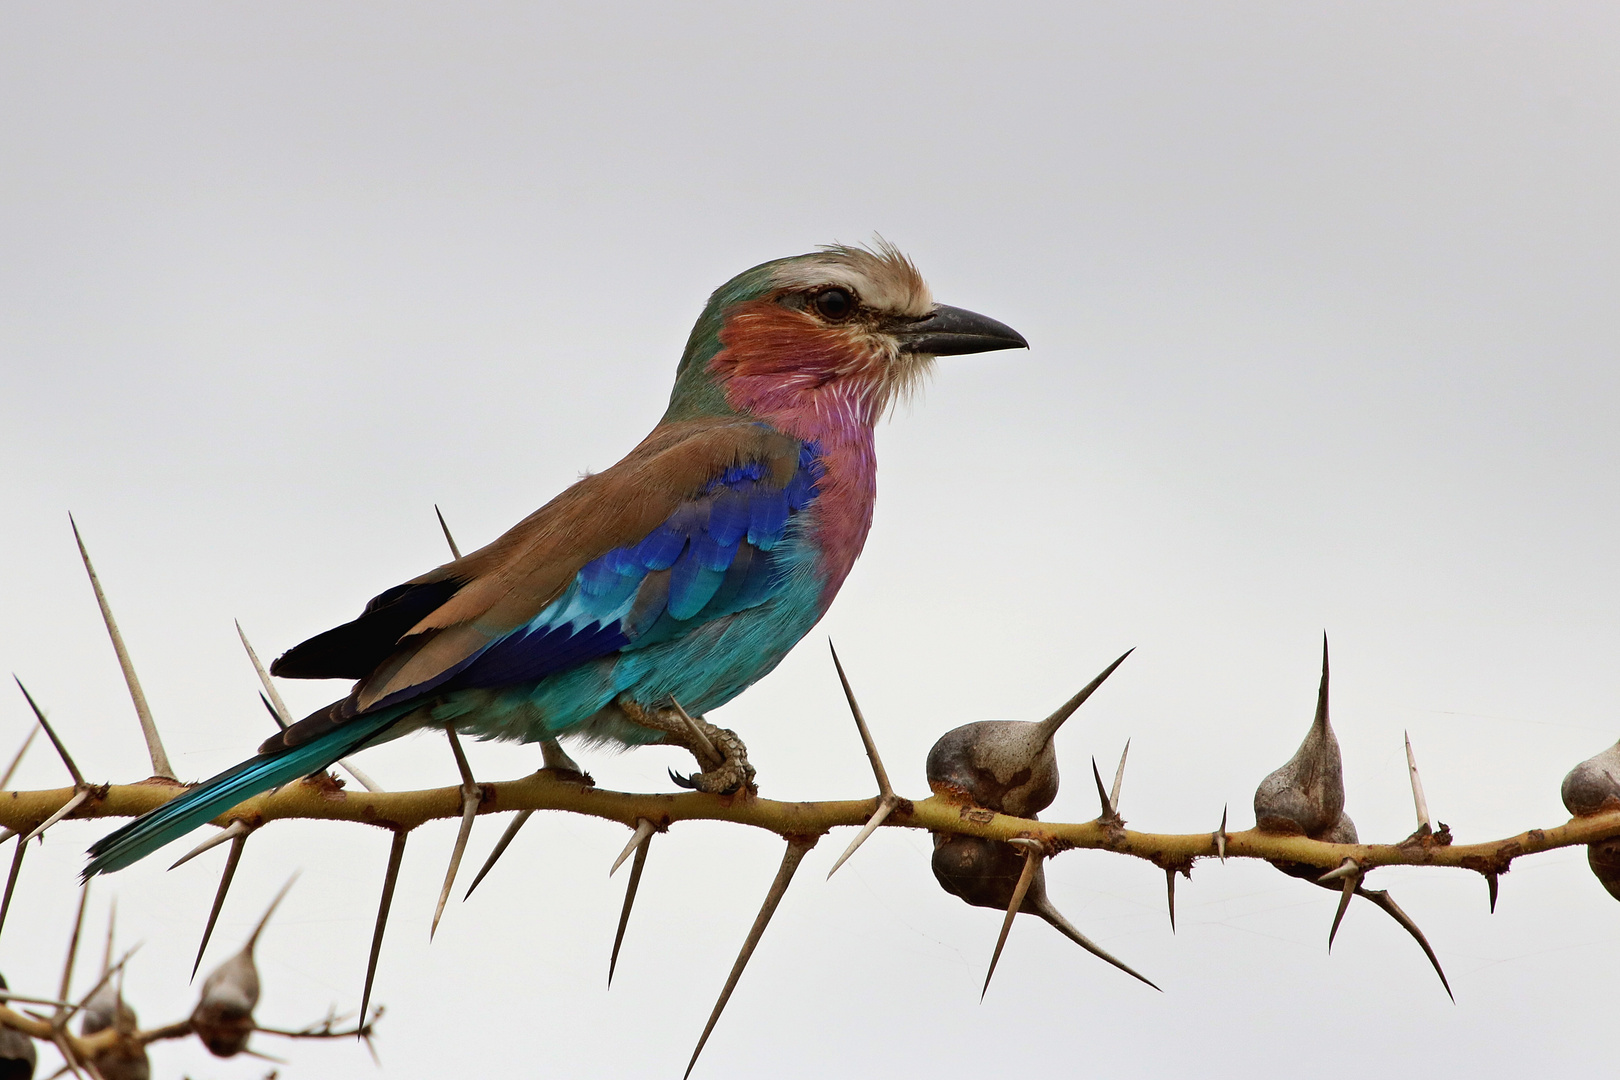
(953, 331)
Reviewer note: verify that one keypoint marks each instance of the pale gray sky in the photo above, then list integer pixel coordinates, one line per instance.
(1324, 327)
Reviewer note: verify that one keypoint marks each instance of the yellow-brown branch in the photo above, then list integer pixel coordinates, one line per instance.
(323, 800)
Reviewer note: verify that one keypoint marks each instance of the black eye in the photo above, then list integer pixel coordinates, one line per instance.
(833, 304)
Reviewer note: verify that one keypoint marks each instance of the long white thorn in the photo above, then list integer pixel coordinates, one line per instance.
(629, 902)
(885, 807)
(1352, 882)
(644, 829)
(154, 744)
(50, 732)
(229, 832)
(471, 796)
(1348, 868)
(1032, 860)
(112, 924)
(887, 799)
(1418, 801)
(396, 855)
(11, 881)
(67, 808)
(784, 877)
(698, 738)
(878, 771)
(469, 810)
(12, 768)
(270, 690)
(73, 943)
(360, 778)
(1108, 815)
(1119, 778)
(238, 843)
(500, 849)
(455, 552)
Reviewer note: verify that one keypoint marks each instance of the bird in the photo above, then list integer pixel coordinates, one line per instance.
(655, 590)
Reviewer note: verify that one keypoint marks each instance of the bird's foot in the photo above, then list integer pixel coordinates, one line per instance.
(721, 753)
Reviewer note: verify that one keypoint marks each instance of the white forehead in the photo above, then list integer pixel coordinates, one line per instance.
(884, 279)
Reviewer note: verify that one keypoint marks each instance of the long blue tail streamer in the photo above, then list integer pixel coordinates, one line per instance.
(155, 828)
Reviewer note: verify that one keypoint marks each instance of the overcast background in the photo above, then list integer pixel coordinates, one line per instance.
(1322, 304)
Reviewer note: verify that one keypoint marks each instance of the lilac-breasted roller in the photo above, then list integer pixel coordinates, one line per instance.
(675, 579)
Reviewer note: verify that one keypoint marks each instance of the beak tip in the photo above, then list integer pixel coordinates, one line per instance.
(952, 331)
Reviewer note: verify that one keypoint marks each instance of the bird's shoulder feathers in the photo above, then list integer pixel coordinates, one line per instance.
(415, 635)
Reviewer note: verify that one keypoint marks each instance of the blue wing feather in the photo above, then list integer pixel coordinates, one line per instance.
(660, 549)
(710, 558)
(767, 518)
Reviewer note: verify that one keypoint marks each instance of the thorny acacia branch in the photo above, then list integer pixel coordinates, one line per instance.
(975, 771)
(92, 1045)
(323, 799)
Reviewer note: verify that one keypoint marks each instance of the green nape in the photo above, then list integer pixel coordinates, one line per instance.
(695, 394)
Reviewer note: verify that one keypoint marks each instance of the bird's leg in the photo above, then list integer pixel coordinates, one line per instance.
(557, 759)
(718, 750)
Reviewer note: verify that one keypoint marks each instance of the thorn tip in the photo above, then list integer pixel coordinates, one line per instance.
(791, 858)
(238, 842)
(143, 712)
(630, 889)
(500, 849)
(1032, 860)
(396, 853)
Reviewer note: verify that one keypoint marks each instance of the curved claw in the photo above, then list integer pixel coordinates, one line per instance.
(724, 780)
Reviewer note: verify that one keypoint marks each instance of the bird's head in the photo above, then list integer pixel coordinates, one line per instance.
(844, 327)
